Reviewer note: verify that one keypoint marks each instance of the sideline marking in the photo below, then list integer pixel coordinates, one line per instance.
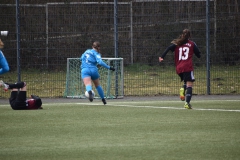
(155, 107)
(200, 109)
(176, 101)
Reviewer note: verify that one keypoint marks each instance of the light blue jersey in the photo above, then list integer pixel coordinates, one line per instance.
(3, 64)
(90, 59)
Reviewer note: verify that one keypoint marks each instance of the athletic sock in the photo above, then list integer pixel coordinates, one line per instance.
(188, 94)
(100, 91)
(16, 85)
(184, 86)
(88, 88)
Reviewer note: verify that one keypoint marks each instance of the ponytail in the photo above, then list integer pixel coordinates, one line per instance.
(183, 38)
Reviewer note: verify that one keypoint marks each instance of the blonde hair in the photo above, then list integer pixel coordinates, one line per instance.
(1, 44)
(183, 38)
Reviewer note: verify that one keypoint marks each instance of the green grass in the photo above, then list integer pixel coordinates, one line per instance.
(128, 130)
(163, 80)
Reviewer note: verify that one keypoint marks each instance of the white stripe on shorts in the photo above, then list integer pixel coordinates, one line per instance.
(192, 76)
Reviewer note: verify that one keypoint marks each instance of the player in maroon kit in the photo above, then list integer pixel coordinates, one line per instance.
(18, 100)
(184, 49)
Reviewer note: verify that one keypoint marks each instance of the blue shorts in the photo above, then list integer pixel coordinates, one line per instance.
(90, 72)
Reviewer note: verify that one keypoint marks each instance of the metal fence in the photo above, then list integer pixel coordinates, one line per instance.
(52, 31)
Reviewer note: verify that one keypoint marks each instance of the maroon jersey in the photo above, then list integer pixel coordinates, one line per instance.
(183, 57)
(31, 104)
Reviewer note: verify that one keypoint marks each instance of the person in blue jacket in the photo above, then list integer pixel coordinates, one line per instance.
(89, 70)
(4, 67)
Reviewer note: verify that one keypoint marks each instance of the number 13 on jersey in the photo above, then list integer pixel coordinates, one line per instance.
(183, 53)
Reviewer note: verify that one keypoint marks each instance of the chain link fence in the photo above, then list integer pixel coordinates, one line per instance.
(52, 31)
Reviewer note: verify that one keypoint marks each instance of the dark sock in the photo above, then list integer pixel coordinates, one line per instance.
(184, 86)
(189, 94)
(16, 85)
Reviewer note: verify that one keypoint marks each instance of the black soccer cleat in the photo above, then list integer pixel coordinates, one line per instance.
(104, 101)
(90, 96)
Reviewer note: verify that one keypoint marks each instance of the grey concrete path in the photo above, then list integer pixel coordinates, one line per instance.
(136, 98)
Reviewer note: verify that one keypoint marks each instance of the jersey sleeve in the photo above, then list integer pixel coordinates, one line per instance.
(196, 50)
(4, 67)
(100, 61)
(169, 48)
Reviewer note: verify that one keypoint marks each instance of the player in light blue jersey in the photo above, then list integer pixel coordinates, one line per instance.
(4, 67)
(89, 71)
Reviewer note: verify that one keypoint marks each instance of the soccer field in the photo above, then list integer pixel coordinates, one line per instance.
(131, 129)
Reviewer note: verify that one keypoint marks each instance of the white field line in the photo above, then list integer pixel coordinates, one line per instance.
(155, 107)
(200, 109)
(167, 101)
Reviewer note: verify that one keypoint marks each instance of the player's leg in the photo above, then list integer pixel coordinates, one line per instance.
(189, 78)
(100, 90)
(188, 95)
(21, 99)
(13, 98)
(15, 85)
(182, 89)
(86, 76)
(184, 86)
(88, 84)
(96, 81)
(18, 97)
(182, 93)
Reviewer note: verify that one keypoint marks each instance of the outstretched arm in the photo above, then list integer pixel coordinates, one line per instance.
(170, 48)
(100, 61)
(196, 51)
